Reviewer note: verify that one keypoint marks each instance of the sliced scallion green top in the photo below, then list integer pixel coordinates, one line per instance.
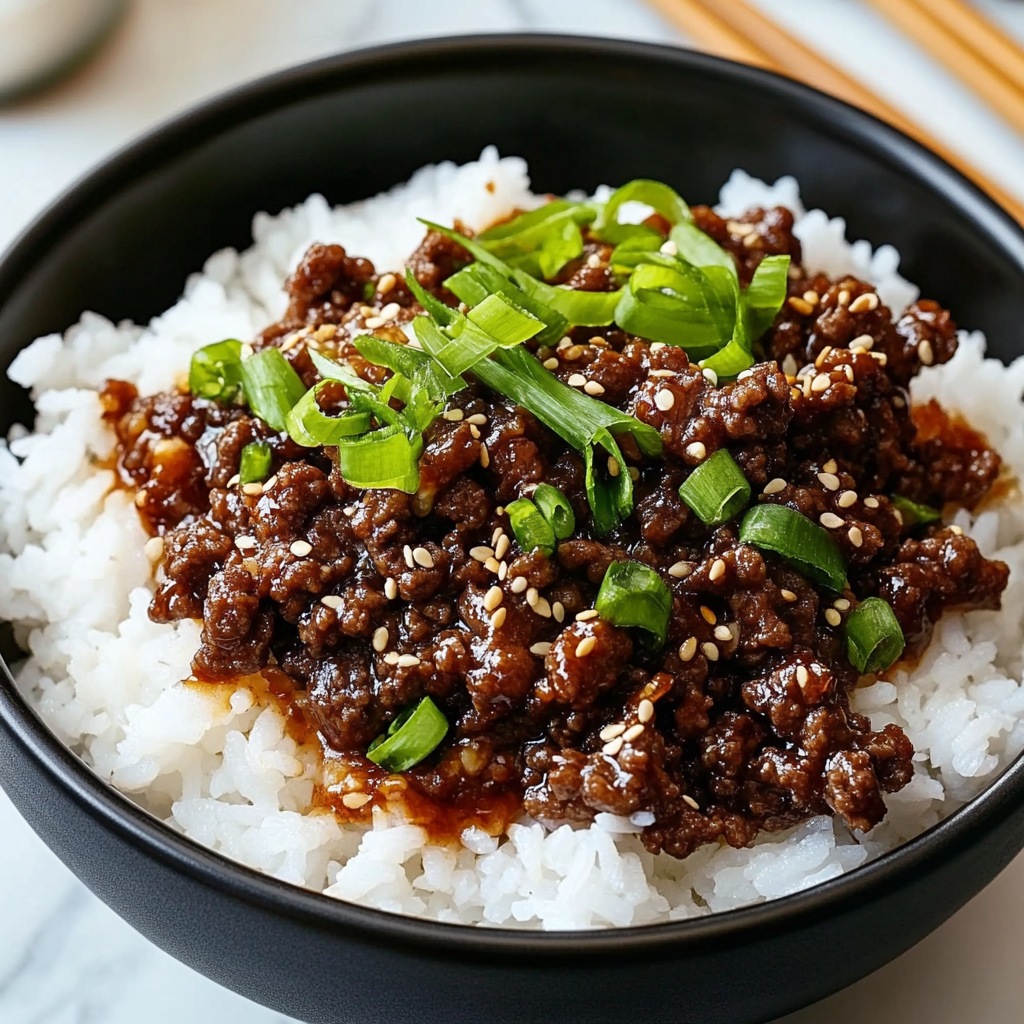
(411, 737)
(633, 594)
(716, 490)
(874, 639)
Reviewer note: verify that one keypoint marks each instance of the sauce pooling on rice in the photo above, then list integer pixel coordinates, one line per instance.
(507, 618)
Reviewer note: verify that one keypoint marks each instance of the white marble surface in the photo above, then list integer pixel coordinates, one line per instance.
(67, 959)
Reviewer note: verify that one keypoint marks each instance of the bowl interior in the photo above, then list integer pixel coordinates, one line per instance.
(582, 112)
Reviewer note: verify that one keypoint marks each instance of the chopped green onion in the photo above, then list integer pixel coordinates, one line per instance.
(308, 425)
(271, 386)
(341, 372)
(633, 594)
(412, 736)
(656, 194)
(700, 249)
(766, 294)
(382, 458)
(914, 514)
(808, 547)
(254, 464)
(541, 241)
(533, 532)
(555, 508)
(874, 639)
(716, 490)
(214, 371)
(504, 321)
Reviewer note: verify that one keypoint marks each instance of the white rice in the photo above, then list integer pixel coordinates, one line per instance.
(217, 766)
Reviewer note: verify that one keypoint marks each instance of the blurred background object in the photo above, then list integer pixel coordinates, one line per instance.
(40, 39)
(64, 957)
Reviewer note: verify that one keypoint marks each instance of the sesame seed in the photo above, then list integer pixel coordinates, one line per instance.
(498, 618)
(898, 401)
(788, 595)
(657, 346)
(576, 380)
(233, 482)
(353, 801)
(252, 489)
(708, 615)
(752, 240)
(540, 649)
(899, 515)
(864, 303)
(349, 510)
(551, 363)
(593, 261)
(572, 353)
(632, 733)
(154, 547)
(477, 419)
(502, 546)
(710, 376)
(926, 353)
(481, 552)
(380, 638)
(829, 481)
(843, 298)
(593, 388)
(409, 561)
(301, 548)
(453, 415)
(532, 597)
(391, 658)
(493, 565)
(614, 469)
(688, 649)
(871, 502)
(587, 615)
(803, 677)
(374, 322)
(856, 537)
(822, 356)
(880, 357)
(832, 617)
(502, 571)
(610, 732)
(407, 660)
(662, 373)
(812, 297)
(830, 520)
(958, 530)
(611, 749)
(841, 604)
(664, 399)
(738, 227)
(495, 535)
(543, 608)
(680, 570)
(745, 374)
(848, 371)
(863, 342)
(645, 710)
(690, 802)
(669, 248)
(696, 450)
(518, 584)
(247, 350)
(485, 456)
(831, 466)
(723, 633)
(821, 383)
(774, 486)
(710, 651)
(789, 366)
(390, 588)
(331, 601)
(474, 432)
(386, 283)
(269, 483)
(558, 611)
(565, 342)
(493, 598)
(585, 646)
(801, 305)
(634, 473)
(717, 570)
(847, 498)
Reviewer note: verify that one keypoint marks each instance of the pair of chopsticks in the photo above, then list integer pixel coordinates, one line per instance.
(739, 31)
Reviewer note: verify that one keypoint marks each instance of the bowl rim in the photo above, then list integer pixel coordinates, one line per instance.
(119, 815)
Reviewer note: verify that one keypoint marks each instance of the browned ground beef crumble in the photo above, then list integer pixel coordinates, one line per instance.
(752, 727)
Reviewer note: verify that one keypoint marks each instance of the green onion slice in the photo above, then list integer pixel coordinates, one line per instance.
(766, 294)
(633, 594)
(540, 241)
(308, 425)
(555, 508)
(271, 386)
(412, 736)
(874, 639)
(254, 464)
(808, 547)
(913, 513)
(656, 194)
(533, 532)
(341, 372)
(716, 490)
(214, 371)
(382, 458)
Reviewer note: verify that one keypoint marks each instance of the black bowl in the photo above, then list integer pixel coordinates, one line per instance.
(583, 112)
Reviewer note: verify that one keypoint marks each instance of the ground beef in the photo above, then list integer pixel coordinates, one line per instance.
(358, 604)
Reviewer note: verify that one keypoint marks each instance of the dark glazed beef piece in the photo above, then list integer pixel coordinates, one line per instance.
(358, 604)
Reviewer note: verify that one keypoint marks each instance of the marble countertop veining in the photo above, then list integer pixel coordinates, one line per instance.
(67, 959)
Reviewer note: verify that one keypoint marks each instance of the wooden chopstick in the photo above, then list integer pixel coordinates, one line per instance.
(987, 40)
(938, 37)
(750, 32)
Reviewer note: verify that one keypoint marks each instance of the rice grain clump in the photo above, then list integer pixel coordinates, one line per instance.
(216, 761)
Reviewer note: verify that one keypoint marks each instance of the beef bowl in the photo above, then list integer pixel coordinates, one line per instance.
(522, 593)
